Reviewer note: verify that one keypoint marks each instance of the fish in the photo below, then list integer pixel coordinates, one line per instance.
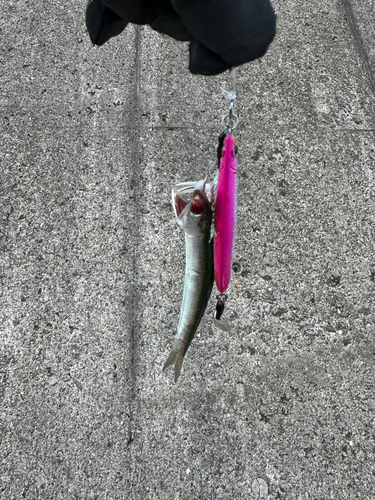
(225, 214)
(192, 206)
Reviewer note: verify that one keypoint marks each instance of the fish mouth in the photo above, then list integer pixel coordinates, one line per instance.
(182, 194)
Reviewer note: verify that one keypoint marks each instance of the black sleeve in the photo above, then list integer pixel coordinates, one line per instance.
(223, 33)
(238, 31)
(159, 14)
(102, 23)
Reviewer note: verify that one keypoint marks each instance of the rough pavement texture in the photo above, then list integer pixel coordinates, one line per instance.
(92, 263)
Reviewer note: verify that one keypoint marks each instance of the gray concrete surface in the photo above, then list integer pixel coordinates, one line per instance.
(92, 264)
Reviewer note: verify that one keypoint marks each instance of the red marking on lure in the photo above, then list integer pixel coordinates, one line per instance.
(197, 206)
(225, 215)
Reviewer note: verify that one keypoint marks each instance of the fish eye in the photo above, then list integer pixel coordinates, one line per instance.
(197, 206)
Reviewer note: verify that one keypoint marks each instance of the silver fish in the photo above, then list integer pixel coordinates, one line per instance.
(192, 205)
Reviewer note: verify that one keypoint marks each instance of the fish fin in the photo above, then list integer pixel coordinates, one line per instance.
(171, 359)
(177, 366)
(176, 359)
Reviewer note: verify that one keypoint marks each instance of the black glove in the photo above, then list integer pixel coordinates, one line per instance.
(223, 33)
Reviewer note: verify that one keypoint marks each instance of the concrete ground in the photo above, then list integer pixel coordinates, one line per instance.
(92, 263)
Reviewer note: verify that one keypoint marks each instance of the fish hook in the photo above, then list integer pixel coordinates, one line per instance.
(219, 320)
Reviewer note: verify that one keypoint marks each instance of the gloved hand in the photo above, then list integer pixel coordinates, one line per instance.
(222, 33)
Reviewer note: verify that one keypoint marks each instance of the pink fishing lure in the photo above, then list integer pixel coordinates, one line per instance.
(225, 215)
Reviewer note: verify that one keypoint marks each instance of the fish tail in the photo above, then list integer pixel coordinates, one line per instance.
(176, 359)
